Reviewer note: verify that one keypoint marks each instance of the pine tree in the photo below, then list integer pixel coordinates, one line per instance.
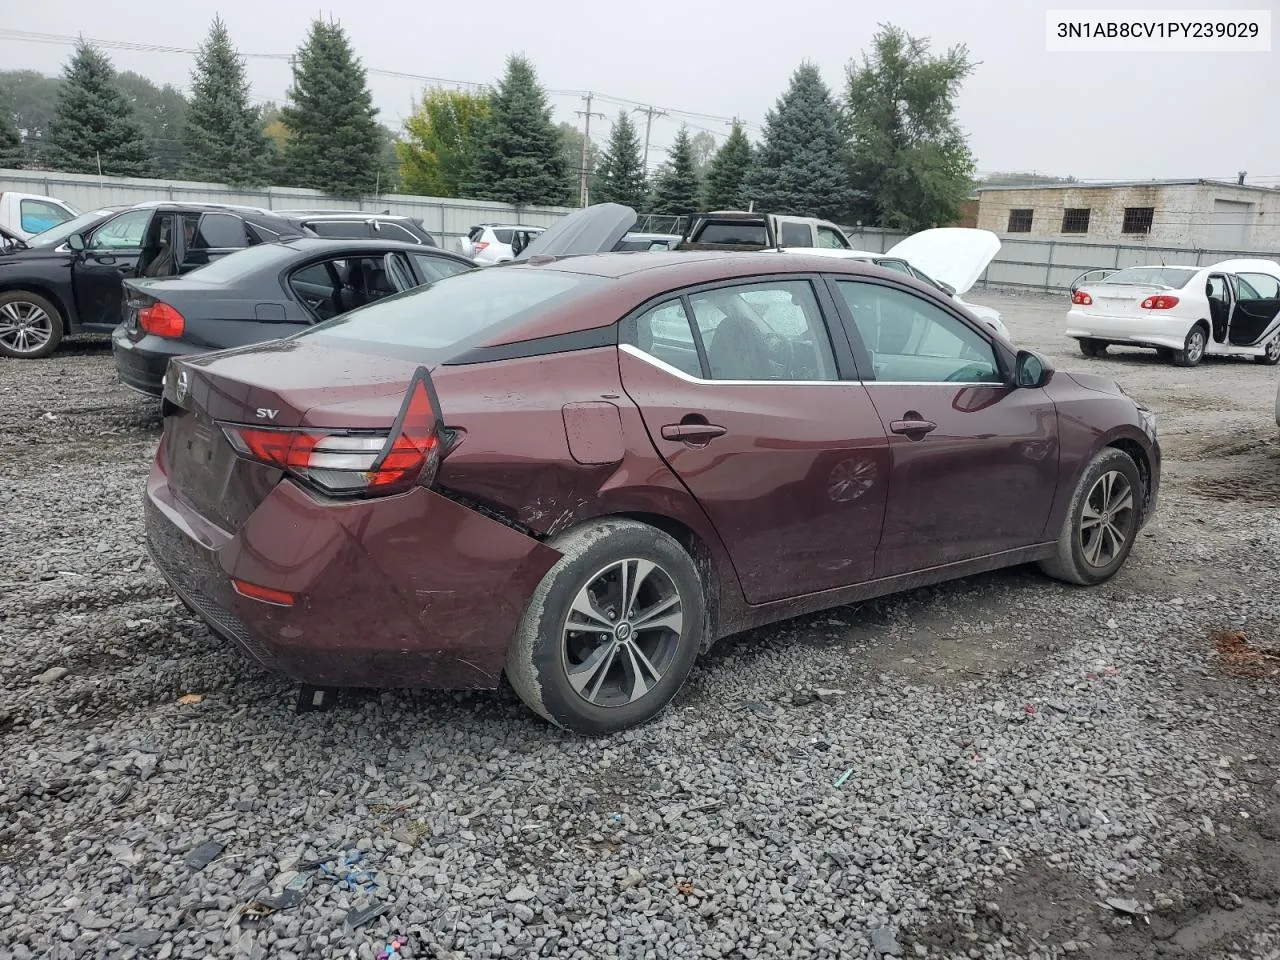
(10, 140)
(676, 191)
(223, 135)
(909, 157)
(521, 158)
(620, 175)
(802, 164)
(723, 189)
(335, 143)
(93, 122)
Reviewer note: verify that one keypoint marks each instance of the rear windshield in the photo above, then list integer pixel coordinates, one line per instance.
(1172, 277)
(744, 233)
(243, 263)
(446, 312)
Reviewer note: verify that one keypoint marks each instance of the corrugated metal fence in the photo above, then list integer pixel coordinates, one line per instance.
(1025, 264)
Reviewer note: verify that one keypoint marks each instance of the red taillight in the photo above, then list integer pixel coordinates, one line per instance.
(161, 320)
(348, 463)
(1159, 302)
(1081, 298)
(255, 592)
(479, 245)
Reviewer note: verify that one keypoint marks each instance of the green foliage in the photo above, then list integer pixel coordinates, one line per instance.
(10, 139)
(727, 173)
(909, 158)
(161, 112)
(703, 145)
(802, 164)
(521, 158)
(438, 152)
(620, 175)
(224, 138)
(33, 98)
(335, 143)
(94, 122)
(572, 139)
(676, 191)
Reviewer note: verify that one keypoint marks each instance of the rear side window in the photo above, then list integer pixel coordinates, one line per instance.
(464, 307)
(831, 239)
(764, 331)
(795, 235)
(393, 231)
(38, 216)
(341, 229)
(665, 334)
(504, 236)
(219, 231)
(437, 268)
(336, 286)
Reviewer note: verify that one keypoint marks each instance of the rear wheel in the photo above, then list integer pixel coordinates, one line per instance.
(1093, 348)
(1272, 355)
(1101, 523)
(1193, 347)
(1166, 354)
(612, 631)
(30, 326)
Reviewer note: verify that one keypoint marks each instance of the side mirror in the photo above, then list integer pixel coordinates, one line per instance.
(1031, 370)
(76, 242)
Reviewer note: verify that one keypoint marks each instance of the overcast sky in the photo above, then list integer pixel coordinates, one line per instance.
(1094, 115)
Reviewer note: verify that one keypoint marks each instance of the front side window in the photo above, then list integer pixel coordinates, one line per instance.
(121, 233)
(794, 234)
(1257, 286)
(911, 340)
(764, 331)
(831, 239)
(38, 216)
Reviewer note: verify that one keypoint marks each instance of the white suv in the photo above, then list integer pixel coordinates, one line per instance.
(497, 242)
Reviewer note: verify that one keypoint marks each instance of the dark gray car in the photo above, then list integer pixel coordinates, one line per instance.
(263, 293)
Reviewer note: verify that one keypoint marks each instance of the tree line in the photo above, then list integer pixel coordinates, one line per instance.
(886, 150)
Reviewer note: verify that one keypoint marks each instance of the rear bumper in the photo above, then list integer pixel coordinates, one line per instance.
(1143, 331)
(142, 365)
(408, 591)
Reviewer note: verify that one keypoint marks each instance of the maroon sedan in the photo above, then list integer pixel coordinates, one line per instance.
(583, 470)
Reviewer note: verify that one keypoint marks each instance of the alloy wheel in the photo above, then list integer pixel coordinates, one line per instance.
(24, 327)
(622, 632)
(1195, 345)
(1273, 350)
(1107, 519)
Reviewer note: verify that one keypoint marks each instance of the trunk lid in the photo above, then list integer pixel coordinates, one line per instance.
(288, 383)
(1121, 299)
(594, 229)
(955, 256)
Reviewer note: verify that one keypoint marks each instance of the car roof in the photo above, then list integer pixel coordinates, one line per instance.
(310, 245)
(514, 226)
(340, 215)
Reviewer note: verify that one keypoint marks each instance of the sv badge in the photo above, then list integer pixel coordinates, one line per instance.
(265, 413)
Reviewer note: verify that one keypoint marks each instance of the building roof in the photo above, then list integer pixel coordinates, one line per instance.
(1104, 184)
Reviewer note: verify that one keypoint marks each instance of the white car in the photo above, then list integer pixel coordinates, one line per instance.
(1184, 313)
(26, 214)
(949, 258)
(488, 243)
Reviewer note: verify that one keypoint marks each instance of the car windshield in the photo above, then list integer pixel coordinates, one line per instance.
(236, 266)
(446, 312)
(55, 236)
(1172, 278)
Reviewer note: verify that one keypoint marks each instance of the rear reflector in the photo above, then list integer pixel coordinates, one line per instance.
(368, 463)
(1159, 302)
(161, 320)
(279, 598)
(1081, 298)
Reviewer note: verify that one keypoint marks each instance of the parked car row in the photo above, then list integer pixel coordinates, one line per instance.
(582, 467)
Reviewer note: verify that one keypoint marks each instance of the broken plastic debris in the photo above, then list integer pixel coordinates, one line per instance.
(841, 780)
(1128, 906)
(1029, 708)
(203, 855)
(362, 915)
(190, 698)
(392, 950)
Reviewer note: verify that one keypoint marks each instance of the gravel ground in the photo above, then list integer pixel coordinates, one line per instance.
(969, 770)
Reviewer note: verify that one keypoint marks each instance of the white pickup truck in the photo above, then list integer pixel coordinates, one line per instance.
(26, 214)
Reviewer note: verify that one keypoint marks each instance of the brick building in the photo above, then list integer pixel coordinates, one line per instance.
(1204, 214)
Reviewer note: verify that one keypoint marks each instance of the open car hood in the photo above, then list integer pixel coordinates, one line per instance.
(955, 256)
(594, 229)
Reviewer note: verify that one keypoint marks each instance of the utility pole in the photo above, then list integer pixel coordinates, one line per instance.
(586, 146)
(650, 113)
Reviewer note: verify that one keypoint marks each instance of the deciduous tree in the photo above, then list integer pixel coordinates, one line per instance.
(441, 140)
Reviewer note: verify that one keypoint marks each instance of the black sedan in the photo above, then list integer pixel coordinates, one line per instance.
(67, 280)
(263, 293)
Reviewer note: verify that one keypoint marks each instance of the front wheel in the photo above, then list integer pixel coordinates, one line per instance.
(1101, 523)
(1193, 347)
(30, 326)
(1272, 355)
(612, 631)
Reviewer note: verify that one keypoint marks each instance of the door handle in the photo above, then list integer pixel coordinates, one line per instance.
(916, 429)
(693, 432)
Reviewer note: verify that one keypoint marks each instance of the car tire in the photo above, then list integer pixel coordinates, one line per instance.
(1272, 356)
(1091, 549)
(30, 326)
(549, 664)
(1193, 348)
(1093, 348)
